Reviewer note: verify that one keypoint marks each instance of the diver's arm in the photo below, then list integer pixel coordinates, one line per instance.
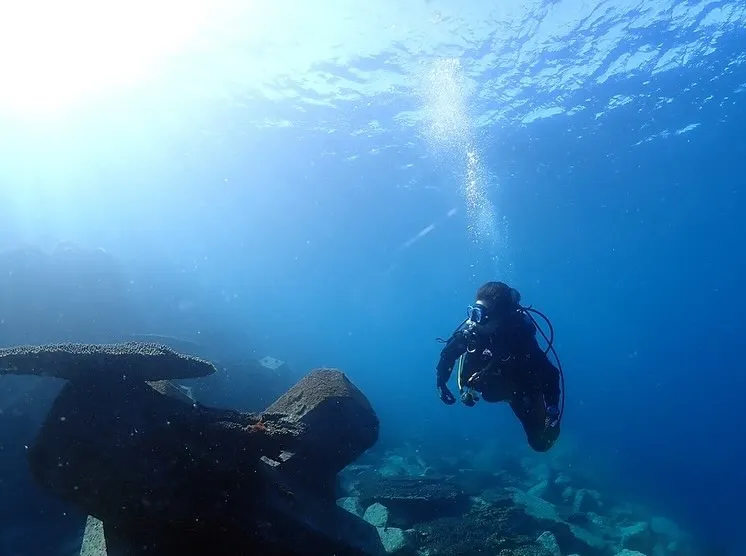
(454, 348)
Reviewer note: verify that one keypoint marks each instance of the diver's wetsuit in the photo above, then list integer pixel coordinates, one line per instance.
(508, 365)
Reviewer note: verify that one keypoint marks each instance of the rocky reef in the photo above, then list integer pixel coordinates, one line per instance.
(160, 474)
(521, 508)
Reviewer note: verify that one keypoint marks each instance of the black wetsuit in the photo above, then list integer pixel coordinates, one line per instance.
(508, 365)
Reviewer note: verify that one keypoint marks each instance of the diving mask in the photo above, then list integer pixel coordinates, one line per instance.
(476, 313)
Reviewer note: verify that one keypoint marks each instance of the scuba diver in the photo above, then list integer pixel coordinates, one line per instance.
(499, 358)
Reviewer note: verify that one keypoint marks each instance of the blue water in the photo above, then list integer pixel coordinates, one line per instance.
(335, 182)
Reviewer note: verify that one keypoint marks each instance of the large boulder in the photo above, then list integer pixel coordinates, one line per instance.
(337, 423)
(48, 296)
(166, 475)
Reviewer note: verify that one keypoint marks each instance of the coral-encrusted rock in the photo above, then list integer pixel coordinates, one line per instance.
(532, 549)
(395, 541)
(492, 530)
(549, 541)
(338, 422)
(377, 515)
(166, 476)
(94, 543)
(131, 360)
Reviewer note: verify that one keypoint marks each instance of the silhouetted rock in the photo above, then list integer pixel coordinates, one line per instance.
(64, 294)
(168, 476)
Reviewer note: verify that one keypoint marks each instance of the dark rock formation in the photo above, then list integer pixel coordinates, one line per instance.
(133, 360)
(412, 500)
(503, 519)
(168, 388)
(338, 426)
(166, 476)
(485, 531)
(502, 526)
(74, 294)
(523, 515)
(530, 549)
(49, 296)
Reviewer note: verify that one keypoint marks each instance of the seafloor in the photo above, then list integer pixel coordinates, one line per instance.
(469, 504)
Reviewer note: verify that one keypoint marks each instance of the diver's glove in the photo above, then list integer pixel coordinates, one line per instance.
(552, 418)
(446, 395)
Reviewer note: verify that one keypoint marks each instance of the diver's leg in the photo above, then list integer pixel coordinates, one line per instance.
(529, 408)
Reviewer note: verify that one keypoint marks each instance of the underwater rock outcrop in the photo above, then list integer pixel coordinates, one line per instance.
(336, 423)
(167, 476)
(412, 500)
(523, 514)
(131, 360)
